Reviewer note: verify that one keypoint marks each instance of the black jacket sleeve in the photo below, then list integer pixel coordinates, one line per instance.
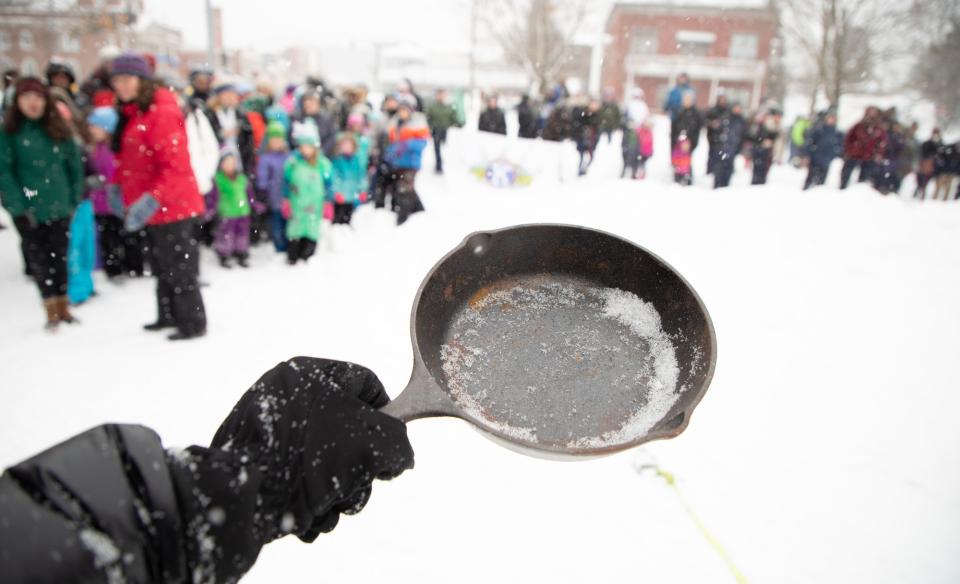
(301, 447)
(98, 506)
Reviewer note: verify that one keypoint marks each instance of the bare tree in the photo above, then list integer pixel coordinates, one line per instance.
(843, 41)
(937, 72)
(535, 34)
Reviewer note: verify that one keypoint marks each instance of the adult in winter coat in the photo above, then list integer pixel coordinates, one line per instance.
(948, 167)
(909, 155)
(762, 138)
(636, 110)
(492, 119)
(233, 127)
(886, 174)
(688, 121)
(529, 118)
(160, 191)
(674, 103)
(407, 134)
(301, 447)
(609, 114)
(822, 144)
(714, 120)
(862, 146)
(311, 110)
(927, 165)
(41, 183)
(441, 116)
(588, 128)
(733, 134)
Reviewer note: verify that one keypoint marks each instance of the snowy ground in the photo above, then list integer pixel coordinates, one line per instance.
(826, 450)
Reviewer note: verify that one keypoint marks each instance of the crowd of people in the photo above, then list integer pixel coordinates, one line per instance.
(880, 148)
(128, 173)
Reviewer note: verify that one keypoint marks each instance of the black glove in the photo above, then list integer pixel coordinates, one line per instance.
(313, 431)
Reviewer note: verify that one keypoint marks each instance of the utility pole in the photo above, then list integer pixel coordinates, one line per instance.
(211, 38)
(474, 16)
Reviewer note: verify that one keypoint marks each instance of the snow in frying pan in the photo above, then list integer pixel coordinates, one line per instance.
(561, 363)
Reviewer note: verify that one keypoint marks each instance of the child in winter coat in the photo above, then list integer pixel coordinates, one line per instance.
(121, 253)
(270, 182)
(645, 141)
(349, 178)
(232, 200)
(307, 175)
(681, 159)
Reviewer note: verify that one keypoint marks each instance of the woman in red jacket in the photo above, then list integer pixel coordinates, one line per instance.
(160, 192)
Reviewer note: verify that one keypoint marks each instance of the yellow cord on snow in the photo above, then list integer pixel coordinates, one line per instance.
(714, 543)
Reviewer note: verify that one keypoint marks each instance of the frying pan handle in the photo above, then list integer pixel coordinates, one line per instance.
(421, 399)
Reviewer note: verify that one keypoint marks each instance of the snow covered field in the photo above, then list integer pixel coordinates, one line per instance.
(826, 450)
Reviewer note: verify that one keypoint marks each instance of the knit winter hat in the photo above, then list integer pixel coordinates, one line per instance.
(105, 118)
(306, 134)
(276, 130)
(131, 64)
(228, 151)
(34, 84)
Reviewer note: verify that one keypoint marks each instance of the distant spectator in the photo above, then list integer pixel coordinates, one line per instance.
(529, 118)
(733, 135)
(609, 114)
(823, 143)
(927, 165)
(862, 147)
(492, 119)
(441, 116)
(674, 102)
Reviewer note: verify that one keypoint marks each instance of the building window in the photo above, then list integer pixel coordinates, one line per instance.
(743, 46)
(26, 40)
(643, 41)
(695, 43)
(4, 40)
(69, 43)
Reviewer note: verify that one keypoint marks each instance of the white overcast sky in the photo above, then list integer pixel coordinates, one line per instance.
(272, 25)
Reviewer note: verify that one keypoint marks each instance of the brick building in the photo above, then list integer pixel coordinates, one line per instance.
(725, 46)
(74, 32)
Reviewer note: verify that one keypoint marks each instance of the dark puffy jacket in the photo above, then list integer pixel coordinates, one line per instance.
(528, 119)
(733, 134)
(823, 143)
(326, 127)
(864, 142)
(688, 121)
(493, 120)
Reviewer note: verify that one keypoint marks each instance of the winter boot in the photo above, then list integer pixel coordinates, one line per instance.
(53, 315)
(158, 326)
(242, 261)
(63, 309)
(225, 262)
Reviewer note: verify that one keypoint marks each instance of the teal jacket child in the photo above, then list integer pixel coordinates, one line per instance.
(307, 186)
(349, 178)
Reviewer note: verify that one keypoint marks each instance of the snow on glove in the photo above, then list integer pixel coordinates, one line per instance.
(313, 431)
(140, 213)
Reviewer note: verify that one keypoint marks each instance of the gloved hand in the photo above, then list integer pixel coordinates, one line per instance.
(363, 197)
(312, 429)
(140, 213)
(339, 198)
(259, 207)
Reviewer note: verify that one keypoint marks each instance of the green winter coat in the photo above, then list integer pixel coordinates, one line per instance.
(233, 199)
(442, 116)
(307, 185)
(38, 175)
(610, 117)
